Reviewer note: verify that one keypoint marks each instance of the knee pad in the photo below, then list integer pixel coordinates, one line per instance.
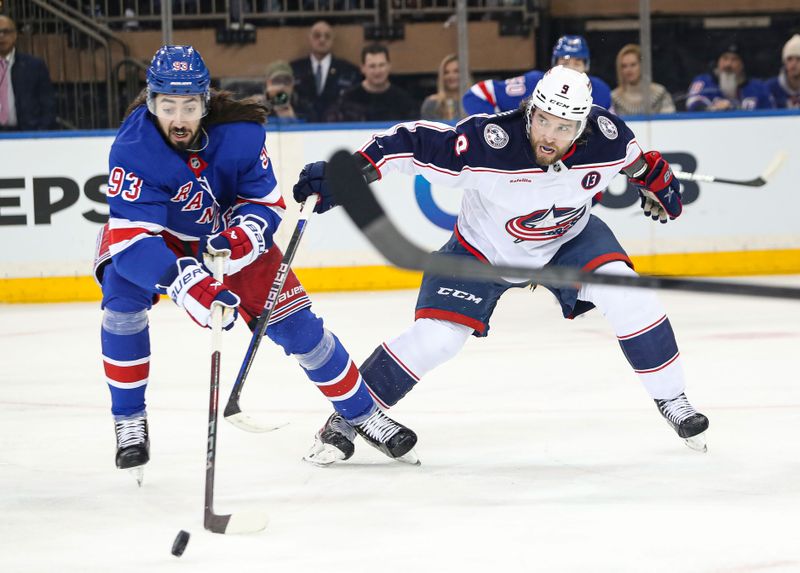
(298, 333)
(124, 323)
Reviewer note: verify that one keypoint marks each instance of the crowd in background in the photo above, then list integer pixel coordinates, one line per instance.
(321, 87)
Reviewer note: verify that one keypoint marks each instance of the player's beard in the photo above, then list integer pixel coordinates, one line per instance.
(728, 84)
(543, 158)
(184, 143)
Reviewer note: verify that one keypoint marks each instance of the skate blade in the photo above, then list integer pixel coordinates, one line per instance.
(138, 474)
(323, 455)
(410, 457)
(697, 443)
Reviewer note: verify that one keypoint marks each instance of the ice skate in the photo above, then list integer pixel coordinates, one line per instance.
(133, 445)
(333, 442)
(390, 437)
(685, 420)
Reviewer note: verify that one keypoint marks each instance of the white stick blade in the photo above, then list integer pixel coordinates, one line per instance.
(247, 522)
(248, 424)
(774, 166)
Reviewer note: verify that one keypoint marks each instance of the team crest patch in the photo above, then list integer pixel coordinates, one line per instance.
(607, 127)
(495, 136)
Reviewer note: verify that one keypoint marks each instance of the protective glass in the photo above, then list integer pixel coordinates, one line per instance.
(177, 108)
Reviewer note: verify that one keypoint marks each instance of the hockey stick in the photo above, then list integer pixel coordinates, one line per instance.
(759, 181)
(240, 522)
(233, 412)
(353, 193)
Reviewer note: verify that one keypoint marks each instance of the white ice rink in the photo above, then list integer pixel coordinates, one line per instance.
(540, 451)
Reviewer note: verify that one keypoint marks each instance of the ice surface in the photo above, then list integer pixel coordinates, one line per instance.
(540, 451)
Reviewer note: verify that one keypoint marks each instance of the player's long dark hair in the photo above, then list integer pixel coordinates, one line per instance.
(223, 108)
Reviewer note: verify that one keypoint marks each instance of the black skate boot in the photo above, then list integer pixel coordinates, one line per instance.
(333, 442)
(390, 437)
(133, 444)
(685, 420)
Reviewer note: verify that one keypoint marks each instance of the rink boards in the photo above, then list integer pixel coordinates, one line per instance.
(52, 204)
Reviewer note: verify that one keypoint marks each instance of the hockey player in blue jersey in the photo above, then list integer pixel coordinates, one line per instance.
(492, 96)
(528, 180)
(190, 175)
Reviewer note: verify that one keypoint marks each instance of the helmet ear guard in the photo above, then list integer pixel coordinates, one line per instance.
(562, 92)
(178, 70)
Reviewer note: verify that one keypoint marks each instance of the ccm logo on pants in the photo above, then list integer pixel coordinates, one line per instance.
(459, 294)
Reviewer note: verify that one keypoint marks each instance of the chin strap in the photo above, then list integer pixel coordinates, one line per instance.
(202, 133)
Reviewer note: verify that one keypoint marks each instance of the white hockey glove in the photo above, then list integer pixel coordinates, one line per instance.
(195, 291)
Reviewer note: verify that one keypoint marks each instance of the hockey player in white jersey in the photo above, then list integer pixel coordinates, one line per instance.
(529, 178)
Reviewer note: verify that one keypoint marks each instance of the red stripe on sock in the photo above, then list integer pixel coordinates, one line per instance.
(127, 374)
(344, 385)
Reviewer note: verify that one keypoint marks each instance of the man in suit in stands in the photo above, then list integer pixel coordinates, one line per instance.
(27, 101)
(321, 78)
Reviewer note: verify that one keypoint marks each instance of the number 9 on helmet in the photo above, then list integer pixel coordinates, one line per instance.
(180, 71)
(562, 92)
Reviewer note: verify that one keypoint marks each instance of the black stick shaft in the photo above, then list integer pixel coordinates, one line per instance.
(260, 329)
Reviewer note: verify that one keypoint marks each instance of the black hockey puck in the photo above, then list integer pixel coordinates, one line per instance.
(179, 545)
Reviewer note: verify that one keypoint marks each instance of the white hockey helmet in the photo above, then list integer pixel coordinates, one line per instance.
(563, 92)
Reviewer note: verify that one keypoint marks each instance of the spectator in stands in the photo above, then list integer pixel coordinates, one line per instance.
(628, 97)
(375, 98)
(282, 101)
(27, 101)
(493, 96)
(727, 87)
(785, 87)
(320, 78)
(445, 104)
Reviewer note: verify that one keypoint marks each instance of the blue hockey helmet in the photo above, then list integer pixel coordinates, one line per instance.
(571, 46)
(178, 70)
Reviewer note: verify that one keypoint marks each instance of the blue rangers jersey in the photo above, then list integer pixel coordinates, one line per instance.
(513, 211)
(156, 192)
(492, 96)
(782, 94)
(704, 91)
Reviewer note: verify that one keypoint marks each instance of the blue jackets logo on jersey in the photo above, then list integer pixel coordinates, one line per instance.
(495, 136)
(607, 127)
(544, 224)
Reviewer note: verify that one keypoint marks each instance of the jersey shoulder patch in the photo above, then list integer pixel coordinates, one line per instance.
(607, 127)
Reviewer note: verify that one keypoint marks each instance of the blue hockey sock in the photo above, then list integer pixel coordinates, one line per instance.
(326, 363)
(125, 340)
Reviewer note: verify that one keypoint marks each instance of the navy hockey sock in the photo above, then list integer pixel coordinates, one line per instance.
(652, 348)
(387, 377)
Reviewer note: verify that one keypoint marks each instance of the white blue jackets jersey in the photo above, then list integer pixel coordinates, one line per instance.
(492, 96)
(155, 190)
(513, 211)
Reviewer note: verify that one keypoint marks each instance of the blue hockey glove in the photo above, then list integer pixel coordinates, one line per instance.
(195, 291)
(247, 239)
(311, 181)
(659, 190)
